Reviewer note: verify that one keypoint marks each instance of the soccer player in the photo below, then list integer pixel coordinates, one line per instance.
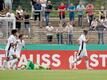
(82, 53)
(31, 66)
(17, 51)
(20, 44)
(10, 48)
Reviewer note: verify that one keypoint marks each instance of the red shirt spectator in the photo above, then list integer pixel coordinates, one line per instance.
(62, 9)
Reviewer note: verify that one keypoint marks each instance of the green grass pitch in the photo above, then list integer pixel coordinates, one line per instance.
(54, 75)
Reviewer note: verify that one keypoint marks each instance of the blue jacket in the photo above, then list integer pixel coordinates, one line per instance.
(37, 6)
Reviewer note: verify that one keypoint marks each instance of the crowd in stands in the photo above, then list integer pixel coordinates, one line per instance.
(39, 11)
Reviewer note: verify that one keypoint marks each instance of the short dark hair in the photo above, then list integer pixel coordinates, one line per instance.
(21, 35)
(85, 31)
(13, 31)
(95, 18)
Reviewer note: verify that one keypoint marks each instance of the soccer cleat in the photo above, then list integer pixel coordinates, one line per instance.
(75, 68)
(89, 68)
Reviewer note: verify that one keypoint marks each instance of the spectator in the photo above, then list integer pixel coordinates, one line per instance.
(71, 10)
(94, 24)
(32, 4)
(1, 5)
(59, 34)
(102, 13)
(4, 11)
(49, 30)
(11, 15)
(18, 22)
(48, 9)
(27, 23)
(61, 10)
(19, 10)
(100, 30)
(76, 2)
(37, 13)
(80, 9)
(9, 3)
(90, 12)
(69, 30)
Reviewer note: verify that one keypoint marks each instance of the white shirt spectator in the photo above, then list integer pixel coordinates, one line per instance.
(49, 30)
(60, 30)
(8, 3)
(20, 12)
(94, 23)
(81, 9)
(9, 14)
(104, 23)
(102, 14)
(69, 29)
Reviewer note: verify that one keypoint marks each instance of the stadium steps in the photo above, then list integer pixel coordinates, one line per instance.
(38, 35)
(92, 35)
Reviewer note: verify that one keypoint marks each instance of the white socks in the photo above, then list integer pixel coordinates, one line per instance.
(12, 64)
(87, 64)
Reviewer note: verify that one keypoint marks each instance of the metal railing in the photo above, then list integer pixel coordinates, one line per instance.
(40, 36)
(35, 31)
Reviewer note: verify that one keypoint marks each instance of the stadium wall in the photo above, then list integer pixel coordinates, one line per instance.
(60, 56)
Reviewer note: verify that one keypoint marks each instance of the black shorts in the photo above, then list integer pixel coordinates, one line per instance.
(37, 16)
(18, 25)
(61, 16)
(102, 17)
(49, 38)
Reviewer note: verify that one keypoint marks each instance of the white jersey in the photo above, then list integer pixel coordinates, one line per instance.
(19, 46)
(9, 49)
(11, 40)
(82, 42)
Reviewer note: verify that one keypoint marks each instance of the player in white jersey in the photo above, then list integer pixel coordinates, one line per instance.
(82, 53)
(20, 45)
(10, 47)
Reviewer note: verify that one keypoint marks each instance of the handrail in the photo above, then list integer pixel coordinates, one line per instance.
(64, 10)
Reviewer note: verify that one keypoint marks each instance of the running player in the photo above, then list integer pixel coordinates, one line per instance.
(82, 53)
(17, 51)
(10, 47)
(20, 44)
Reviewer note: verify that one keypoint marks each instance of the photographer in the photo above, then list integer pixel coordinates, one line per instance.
(102, 13)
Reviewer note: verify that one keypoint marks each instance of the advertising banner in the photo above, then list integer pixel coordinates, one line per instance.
(61, 59)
